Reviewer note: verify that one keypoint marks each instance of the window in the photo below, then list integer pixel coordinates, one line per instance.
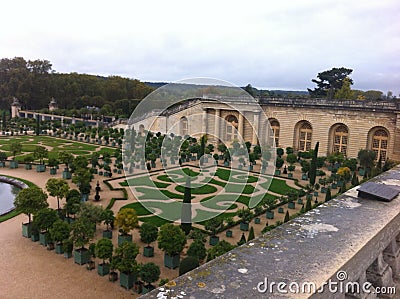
(183, 126)
(380, 143)
(341, 139)
(305, 137)
(231, 127)
(275, 131)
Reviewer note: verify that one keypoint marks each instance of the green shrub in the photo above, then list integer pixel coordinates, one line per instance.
(187, 264)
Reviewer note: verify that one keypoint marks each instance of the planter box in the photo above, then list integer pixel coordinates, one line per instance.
(40, 168)
(257, 220)
(148, 251)
(229, 233)
(171, 262)
(2, 164)
(81, 256)
(277, 172)
(103, 269)
(304, 177)
(27, 230)
(123, 238)
(126, 280)
(28, 166)
(334, 186)
(59, 248)
(340, 183)
(291, 205)
(107, 234)
(44, 238)
(323, 189)
(309, 196)
(13, 164)
(361, 171)
(35, 237)
(280, 210)
(53, 171)
(300, 201)
(269, 215)
(66, 175)
(67, 255)
(244, 226)
(214, 240)
(315, 193)
(290, 175)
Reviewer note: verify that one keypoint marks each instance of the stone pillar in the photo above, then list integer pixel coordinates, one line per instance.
(391, 255)
(240, 126)
(217, 124)
(255, 128)
(380, 273)
(204, 122)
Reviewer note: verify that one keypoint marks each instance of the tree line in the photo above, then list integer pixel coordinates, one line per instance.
(34, 83)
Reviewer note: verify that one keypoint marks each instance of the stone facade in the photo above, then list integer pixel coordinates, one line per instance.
(345, 126)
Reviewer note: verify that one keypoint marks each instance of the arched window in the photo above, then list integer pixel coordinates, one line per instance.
(275, 127)
(305, 135)
(340, 139)
(380, 143)
(231, 127)
(183, 126)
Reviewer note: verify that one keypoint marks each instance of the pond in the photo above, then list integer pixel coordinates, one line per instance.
(7, 195)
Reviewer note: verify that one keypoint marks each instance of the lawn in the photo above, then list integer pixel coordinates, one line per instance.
(139, 208)
(277, 186)
(205, 189)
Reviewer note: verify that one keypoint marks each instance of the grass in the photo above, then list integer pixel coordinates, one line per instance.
(138, 182)
(205, 189)
(277, 186)
(156, 220)
(240, 177)
(139, 208)
(211, 202)
(151, 193)
(237, 188)
(204, 214)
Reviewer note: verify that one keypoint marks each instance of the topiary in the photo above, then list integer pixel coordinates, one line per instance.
(187, 264)
(197, 249)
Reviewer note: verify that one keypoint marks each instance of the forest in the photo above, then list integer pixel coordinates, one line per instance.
(34, 83)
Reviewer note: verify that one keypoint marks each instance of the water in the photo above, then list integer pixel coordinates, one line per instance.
(7, 195)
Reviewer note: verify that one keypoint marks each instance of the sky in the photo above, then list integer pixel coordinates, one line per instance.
(269, 44)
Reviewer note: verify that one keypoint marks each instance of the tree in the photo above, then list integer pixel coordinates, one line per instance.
(313, 165)
(58, 188)
(242, 240)
(73, 202)
(3, 156)
(308, 205)
(251, 234)
(328, 195)
(197, 249)
(345, 92)
(213, 225)
(124, 258)
(40, 153)
(65, 158)
(291, 158)
(366, 158)
(186, 217)
(188, 264)
(45, 219)
(287, 218)
(148, 233)
(219, 249)
(149, 273)
(59, 231)
(108, 218)
(30, 201)
(354, 179)
(82, 231)
(329, 82)
(91, 212)
(126, 220)
(245, 215)
(15, 148)
(171, 239)
(104, 249)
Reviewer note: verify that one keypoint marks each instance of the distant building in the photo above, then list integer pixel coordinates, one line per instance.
(53, 105)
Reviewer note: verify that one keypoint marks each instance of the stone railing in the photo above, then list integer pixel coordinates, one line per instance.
(344, 244)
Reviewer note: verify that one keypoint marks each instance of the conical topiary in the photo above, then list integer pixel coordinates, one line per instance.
(286, 219)
(242, 240)
(328, 195)
(251, 234)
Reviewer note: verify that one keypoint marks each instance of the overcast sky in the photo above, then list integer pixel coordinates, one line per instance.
(270, 44)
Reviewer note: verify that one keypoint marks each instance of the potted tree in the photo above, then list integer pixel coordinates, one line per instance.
(149, 273)
(59, 232)
(39, 154)
(28, 162)
(148, 234)
(66, 158)
(108, 218)
(126, 220)
(213, 225)
(58, 188)
(53, 163)
(197, 249)
(171, 239)
(82, 231)
(15, 148)
(45, 219)
(30, 201)
(125, 261)
(68, 246)
(269, 202)
(3, 158)
(245, 216)
(278, 164)
(104, 251)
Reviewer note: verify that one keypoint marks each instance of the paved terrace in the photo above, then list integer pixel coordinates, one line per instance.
(358, 236)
